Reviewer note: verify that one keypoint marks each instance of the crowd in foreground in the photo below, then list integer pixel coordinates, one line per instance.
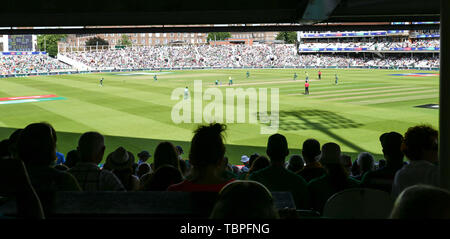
(32, 171)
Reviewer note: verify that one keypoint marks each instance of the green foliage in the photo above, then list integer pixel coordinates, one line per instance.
(216, 36)
(124, 40)
(287, 37)
(49, 43)
(96, 41)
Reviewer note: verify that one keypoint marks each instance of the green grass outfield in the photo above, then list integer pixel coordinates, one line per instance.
(135, 111)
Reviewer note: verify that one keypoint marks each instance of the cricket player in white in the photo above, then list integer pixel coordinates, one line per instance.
(186, 93)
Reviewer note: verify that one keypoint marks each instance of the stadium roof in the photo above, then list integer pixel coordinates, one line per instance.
(34, 13)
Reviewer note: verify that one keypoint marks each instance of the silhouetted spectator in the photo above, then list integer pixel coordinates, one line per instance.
(4, 149)
(296, 163)
(229, 203)
(15, 183)
(381, 164)
(37, 147)
(142, 169)
(91, 148)
(72, 158)
(143, 157)
(260, 163)
(180, 151)
(313, 168)
(422, 202)
(355, 170)
(160, 180)
(366, 163)
(13, 141)
(228, 170)
(248, 162)
(277, 178)
(207, 159)
(335, 180)
(165, 154)
(184, 167)
(244, 172)
(351, 167)
(121, 164)
(252, 159)
(421, 148)
(383, 177)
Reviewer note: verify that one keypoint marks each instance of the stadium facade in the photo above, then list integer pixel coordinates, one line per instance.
(77, 42)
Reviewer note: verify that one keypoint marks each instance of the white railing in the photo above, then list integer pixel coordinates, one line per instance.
(74, 63)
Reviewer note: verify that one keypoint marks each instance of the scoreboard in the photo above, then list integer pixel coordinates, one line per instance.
(20, 42)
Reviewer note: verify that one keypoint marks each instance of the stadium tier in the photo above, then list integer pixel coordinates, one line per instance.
(263, 55)
(29, 62)
(374, 41)
(259, 56)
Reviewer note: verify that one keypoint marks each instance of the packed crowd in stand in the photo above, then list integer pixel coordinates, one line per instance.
(32, 171)
(25, 64)
(262, 55)
(380, 45)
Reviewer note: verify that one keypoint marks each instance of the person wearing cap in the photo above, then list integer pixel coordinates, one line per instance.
(248, 161)
(245, 159)
(143, 156)
(179, 151)
(336, 178)
(382, 178)
(277, 178)
(120, 162)
(91, 149)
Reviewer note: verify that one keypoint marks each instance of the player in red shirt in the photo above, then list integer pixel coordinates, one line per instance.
(320, 75)
(306, 88)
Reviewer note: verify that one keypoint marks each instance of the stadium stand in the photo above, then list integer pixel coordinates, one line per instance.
(396, 49)
(29, 64)
(258, 56)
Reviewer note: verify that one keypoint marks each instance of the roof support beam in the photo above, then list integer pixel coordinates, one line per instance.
(444, 97)
(266, 28)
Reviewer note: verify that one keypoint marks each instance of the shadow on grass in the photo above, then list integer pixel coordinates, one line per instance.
(321, 120)
(68, 141)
